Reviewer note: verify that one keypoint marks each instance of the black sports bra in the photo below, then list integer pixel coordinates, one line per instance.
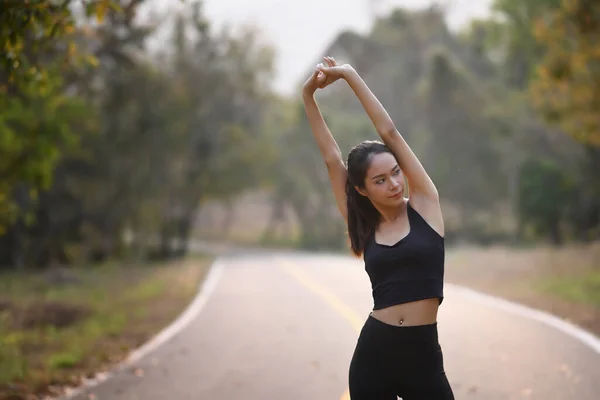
(410, 270)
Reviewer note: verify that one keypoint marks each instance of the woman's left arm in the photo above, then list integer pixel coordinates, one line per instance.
(419, 181)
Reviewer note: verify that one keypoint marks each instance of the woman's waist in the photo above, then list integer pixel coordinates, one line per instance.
(413, 313)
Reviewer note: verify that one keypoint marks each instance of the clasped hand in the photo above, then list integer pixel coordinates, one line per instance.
(324, 76)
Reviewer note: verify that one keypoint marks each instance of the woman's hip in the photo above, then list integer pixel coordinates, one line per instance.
(399, 348)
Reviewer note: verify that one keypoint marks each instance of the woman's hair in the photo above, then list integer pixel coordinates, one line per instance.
(363, 217)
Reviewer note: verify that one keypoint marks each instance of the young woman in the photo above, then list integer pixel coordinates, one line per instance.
(402, 243)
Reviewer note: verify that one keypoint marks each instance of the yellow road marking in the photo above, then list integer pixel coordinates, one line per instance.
(335, 302)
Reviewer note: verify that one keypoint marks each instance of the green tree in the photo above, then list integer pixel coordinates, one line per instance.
(511, 37)
(164, 135)
(566, 93)
(565, 89)
(37, 50)
(545, 192)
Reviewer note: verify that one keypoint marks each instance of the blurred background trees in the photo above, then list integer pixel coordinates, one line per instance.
(109, 150)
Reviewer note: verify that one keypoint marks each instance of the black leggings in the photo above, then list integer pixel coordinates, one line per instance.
(404, 361)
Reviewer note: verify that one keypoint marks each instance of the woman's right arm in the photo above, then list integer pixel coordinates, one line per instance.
(327, 145)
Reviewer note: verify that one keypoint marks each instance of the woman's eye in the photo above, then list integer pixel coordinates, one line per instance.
(397, 172)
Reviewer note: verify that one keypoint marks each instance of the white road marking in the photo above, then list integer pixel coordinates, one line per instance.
(191, 312)
(567, 328)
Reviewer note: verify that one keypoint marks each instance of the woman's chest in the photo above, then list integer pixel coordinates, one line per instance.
(408, 255)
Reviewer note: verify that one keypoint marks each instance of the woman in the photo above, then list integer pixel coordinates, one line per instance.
(402, 242)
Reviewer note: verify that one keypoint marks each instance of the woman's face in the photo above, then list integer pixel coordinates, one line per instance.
(384, 181)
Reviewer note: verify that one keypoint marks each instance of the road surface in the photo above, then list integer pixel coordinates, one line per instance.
(284, 326)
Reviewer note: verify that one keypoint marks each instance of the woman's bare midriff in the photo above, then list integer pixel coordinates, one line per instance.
(421, 312)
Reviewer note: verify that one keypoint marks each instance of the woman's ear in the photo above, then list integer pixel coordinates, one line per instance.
(361, 191)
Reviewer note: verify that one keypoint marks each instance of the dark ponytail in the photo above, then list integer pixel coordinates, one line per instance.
(363, 217)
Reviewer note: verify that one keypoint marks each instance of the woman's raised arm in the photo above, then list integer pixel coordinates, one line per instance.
(332, 156)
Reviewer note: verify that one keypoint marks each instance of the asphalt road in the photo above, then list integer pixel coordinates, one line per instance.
(284, 326)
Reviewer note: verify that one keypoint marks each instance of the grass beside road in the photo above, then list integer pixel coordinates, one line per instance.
(59, 326)
(563, 281)
(583, 289)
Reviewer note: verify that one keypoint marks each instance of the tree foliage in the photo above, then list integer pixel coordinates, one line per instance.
(124, 150)
(566, 88)
(108, 149)
(37, 51)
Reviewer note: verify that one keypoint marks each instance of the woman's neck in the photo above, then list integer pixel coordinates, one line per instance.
(391, 214)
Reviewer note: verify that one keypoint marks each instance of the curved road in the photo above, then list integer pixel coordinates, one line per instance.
(283, 326)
